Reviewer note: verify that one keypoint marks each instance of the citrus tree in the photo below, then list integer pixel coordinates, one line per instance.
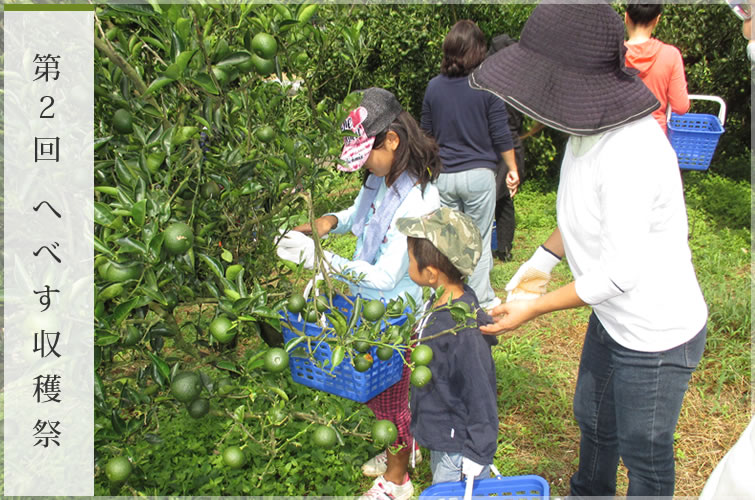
(208, 131)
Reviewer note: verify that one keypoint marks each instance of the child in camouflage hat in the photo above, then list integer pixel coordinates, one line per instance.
(455, 415)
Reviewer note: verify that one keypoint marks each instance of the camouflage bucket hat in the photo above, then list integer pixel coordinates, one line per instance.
(453, 233)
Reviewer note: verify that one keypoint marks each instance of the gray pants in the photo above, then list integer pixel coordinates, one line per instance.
(473, 193)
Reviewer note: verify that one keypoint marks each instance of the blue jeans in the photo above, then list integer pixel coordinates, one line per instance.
(473, 193)
(446, 467)
(627, 405)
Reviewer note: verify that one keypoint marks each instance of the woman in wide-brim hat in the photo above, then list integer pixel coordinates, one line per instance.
(622, 225)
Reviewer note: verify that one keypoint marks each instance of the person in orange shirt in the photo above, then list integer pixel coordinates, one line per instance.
(660, 65)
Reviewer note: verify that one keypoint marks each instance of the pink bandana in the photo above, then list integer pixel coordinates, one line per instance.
(356, 150)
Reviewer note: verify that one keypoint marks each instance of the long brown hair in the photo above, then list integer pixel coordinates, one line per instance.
(463, 49)
(417, 152)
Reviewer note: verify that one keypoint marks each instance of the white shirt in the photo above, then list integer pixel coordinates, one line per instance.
(623, 222)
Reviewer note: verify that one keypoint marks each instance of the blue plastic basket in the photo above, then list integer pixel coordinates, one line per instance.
(344, 380)
(694, 137)
(520, 487)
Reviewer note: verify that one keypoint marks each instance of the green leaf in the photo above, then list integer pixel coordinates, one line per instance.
(123, 310)
(130, 245)
(106, 340)
(205, 81)
(156, 295)
(226, 256)
(213, 264)
(102, 214)
(184, 58)
(154, 41)
(227, 365)
(161, 82)
(119, 426)
(337, 357)
(160, 365)
(235, 58)
(138, 212)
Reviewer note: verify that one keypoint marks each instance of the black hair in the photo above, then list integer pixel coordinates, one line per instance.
(643, 14)
(426, 254)
(417, 152)
(463, 49)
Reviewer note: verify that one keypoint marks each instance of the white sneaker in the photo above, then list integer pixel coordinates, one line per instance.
(377, 465)
(386, 490)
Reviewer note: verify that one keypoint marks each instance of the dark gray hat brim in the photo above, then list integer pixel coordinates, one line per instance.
(559, 97)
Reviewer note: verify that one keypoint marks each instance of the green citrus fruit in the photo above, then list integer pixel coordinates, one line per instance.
(324, 437)
(245, 66)
(179, 238)
(210, 190)
(276, 360)
(373, 310)
(198, 408)
(264, 45)
(132, 337)
(296, 304)
(233, 457)
(312, 315)
(360, 345)
(265, 134)
(263, 66)
(384, 353)
(222, 329)
(225, 386)
(301, 59)
(322, 303)
(422, 355)
(186, 387)
(421, 375)
(363, 362)
(384, 433)
(122, 122)
(118, 469)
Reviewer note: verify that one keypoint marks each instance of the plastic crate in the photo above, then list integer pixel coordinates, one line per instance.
(694, 137)
(520, 487)
(344, 380)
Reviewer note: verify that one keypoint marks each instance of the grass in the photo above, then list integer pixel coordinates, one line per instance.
(536, 365)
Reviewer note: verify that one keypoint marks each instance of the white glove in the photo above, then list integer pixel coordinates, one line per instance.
(470, 468)
(298, 248)
(531, 280)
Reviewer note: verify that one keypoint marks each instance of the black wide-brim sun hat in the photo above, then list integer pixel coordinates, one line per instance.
(568, 71)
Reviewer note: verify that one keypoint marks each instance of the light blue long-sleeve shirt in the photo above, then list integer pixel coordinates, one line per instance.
(388, 277)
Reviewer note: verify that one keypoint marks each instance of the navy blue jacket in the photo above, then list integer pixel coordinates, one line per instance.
(470, 126)
(457, 411)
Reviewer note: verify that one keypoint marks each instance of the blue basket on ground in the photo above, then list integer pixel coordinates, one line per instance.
(695, 136)
(519, 487)
(344, 380)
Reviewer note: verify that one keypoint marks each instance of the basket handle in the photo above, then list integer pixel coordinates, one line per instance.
(699, 97)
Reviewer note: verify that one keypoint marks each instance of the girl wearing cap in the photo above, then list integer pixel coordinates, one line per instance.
(401, 162)
(473, 135)
(622, 225)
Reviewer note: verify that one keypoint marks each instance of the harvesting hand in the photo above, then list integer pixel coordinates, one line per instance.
(298, 248)
(470, 468)
(531, 279)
